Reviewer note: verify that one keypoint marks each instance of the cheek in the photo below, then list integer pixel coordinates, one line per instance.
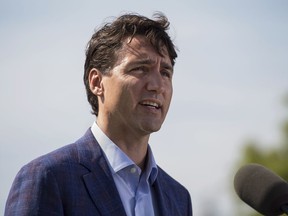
(169, 92)
(132, 90)
(112, 96)
(129, 95)
(122, 95)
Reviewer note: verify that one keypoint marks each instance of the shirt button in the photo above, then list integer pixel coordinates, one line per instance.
(133, 170)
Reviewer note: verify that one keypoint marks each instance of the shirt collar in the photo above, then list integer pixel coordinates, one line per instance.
(118, 160)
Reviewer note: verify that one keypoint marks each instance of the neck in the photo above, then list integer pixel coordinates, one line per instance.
(136, 154)
(142, 165)
(133, 145)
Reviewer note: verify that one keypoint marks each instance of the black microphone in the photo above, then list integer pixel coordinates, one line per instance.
(262, 189)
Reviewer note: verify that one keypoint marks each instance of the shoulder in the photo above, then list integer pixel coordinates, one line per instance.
(59, 167)
(52, 177)
(169, 180)
(171, 185)
(49, 164)
(39, 185)
(176, 194)
(65, 157)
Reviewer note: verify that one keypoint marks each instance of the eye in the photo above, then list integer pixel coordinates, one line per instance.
(139, 69)
(167, 74)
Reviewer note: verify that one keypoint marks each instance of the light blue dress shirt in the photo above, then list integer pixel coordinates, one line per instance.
(134, 185)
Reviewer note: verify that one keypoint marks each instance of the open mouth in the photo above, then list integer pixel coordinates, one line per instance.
(151, 104)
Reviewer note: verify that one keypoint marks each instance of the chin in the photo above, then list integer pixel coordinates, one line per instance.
(150, 126)
(152, 129)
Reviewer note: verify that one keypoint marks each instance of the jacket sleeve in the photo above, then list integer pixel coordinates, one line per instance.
(190, 209)
(34, 192)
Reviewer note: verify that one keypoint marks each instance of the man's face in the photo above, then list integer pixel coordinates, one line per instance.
(138, 90)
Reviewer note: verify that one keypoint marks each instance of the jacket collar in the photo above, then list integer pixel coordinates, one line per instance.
(100, 185)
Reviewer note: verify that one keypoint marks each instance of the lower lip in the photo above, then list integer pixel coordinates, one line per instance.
(151, 109)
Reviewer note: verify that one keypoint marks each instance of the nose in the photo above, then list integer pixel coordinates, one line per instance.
(155, 82)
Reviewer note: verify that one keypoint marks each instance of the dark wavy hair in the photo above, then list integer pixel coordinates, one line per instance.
(101, 51)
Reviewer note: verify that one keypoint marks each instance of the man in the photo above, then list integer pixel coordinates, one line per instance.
(111, 170)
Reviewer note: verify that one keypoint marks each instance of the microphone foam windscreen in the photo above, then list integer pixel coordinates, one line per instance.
(261, 188)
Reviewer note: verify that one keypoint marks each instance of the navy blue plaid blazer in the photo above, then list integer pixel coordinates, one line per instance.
(75, 180)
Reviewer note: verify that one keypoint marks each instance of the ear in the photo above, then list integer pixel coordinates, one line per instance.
(95, 82)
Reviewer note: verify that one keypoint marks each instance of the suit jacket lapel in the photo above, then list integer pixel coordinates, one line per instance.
(162, 199)
(99, 181)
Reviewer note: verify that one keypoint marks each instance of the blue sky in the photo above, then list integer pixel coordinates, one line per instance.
(230, 79)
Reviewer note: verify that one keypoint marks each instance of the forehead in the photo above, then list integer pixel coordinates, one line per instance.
(140, 47)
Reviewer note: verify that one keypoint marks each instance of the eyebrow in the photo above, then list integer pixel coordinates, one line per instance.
(150, 62)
